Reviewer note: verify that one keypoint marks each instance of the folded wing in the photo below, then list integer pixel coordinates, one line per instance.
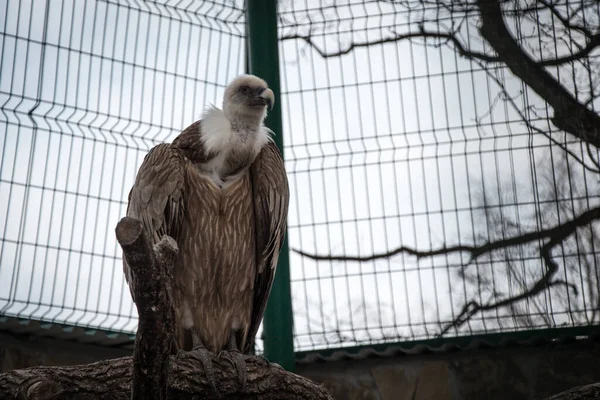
(271, 200)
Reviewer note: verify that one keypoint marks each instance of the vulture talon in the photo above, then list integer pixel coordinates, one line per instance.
(204, 356)
(236, 359)
(223, 355)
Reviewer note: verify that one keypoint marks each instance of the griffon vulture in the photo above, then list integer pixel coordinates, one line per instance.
(220, 190)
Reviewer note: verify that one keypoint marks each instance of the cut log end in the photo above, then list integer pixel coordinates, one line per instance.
(128, 230)
(167, 246)
(39, 389)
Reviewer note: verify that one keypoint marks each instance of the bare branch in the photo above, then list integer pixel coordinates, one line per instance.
(451, 37)
(564, 20)
(554, 235)
(544, 282)
(559, 232)
(595, 161)
(569, 115)
(527, 121)
(592, 43)
(472, 307)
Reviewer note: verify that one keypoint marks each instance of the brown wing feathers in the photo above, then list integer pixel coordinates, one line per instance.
(188, 142)
(156, 196)
(271, 200)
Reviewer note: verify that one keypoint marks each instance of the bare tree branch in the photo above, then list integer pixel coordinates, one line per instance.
(559, 232)
(592, 43)
(423, 34)
(554, 235)
(473, 307)
(569, 114)
(545, 282)
(527, 121)
(566, 21)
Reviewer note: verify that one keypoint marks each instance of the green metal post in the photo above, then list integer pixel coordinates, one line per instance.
(263, 61)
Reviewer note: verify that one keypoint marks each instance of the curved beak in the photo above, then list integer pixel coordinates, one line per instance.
(269, 98)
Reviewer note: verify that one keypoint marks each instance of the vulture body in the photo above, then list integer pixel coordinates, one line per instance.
(220, 190)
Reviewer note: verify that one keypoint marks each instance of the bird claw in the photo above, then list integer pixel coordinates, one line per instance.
(236, 359)
(224, 356)
(204, 356)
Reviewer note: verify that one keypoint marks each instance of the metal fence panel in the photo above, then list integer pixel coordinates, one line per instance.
(405, 133)
(86, 88)
(410, 146)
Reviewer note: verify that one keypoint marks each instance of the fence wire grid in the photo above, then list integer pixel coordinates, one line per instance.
(86, 89)
(407, 134)
(437, 188)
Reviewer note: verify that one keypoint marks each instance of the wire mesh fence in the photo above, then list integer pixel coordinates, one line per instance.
(86, 89)
(431, 164)
(437, 188)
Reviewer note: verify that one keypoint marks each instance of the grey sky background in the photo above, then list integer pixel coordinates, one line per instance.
(389, 145)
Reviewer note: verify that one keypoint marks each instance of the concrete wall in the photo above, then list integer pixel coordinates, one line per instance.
(508, 373)
(20, 351)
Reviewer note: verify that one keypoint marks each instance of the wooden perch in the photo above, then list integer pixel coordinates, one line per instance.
(150, 266)
(111, 379)
(587, 392)
(152, 373)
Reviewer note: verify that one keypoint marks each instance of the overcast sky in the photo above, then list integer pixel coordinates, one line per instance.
(385, 146)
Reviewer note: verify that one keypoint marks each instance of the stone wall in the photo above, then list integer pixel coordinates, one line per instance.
(507, 373)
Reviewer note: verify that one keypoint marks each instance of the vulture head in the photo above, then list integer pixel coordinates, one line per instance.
(247, 95)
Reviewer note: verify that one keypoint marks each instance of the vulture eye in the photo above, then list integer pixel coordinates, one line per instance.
(245, 89)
